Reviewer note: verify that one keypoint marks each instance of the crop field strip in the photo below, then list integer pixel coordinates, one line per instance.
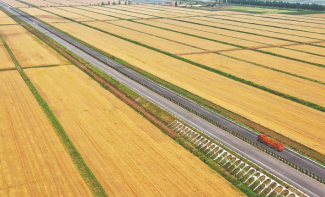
(87, 13)
(272, 31)
(274, 21)
(297, 55)
(6, 62)
(284, 18)
(143, 38)
(213, 33)
(28, 50)
(170, 35)
(6, 20)
(43, 15)
(310, 49)
(74, 16)
(297, 17)
(106, 12)
(120, 146)
(157, 13)
(279, 25)
(170, 69)
(15, 3)
(33, 159)
(138, 15)
(278, 63)
(163, 44)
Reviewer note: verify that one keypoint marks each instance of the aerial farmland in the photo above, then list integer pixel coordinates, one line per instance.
(122, 98)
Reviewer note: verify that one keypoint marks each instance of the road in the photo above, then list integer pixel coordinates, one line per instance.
(135, 81)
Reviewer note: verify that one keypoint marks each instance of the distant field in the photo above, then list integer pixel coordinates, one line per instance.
(127, 154)
(28, 50)
(33, 159)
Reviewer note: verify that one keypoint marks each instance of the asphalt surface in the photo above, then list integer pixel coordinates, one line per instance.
(135, 81)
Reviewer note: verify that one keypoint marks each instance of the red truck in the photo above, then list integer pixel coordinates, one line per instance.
(273, 144)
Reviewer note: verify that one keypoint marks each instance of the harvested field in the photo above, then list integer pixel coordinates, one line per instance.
(5, 19)
(33, 159)
(309, 49)
(28, 50)
(297, 55)
(88, 14)
(70, 15)
(291, 66)
(15, 3)
(5, 58)
(214, 33)
(300, 88)
(128, 155)
(177, 12)
(43, 15)
(153, 41)
(190, 40)
(292, 120)
(279, 25)
(249, 28)
(98, 10)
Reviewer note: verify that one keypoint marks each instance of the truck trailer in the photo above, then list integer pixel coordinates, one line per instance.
(271, 143)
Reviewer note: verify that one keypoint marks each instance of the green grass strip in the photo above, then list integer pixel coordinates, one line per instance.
(84, 170)
(6, 69)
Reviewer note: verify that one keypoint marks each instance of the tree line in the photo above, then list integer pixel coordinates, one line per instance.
(279, 4)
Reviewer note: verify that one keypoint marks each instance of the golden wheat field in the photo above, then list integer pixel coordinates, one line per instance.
(107, 12)
(5, 20)
(276, 30)
(127, 154)
(5, 58)
(41, 3)
(89, 14)
(44, 16)
(283, 64)
(263, 31)
(271, 111)
(153, 13)
(152, 41)
(267, 18)
(117, 11)
(308, 49)
(298, 18)
(295, 27)
(33, 159)
(207, 32)
(198, 44)
(28, 50)
(15, 3)
(300, 88)
(64, 13)
(186, 39)
(297, 55)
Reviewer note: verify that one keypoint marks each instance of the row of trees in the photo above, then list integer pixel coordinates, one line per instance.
(279, 4)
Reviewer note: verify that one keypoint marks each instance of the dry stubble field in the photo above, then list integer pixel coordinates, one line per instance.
(127, 154)
(28, 50)
(33, 161)
(5, 20)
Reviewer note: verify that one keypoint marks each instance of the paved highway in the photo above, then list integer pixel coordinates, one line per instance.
(279, 169)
